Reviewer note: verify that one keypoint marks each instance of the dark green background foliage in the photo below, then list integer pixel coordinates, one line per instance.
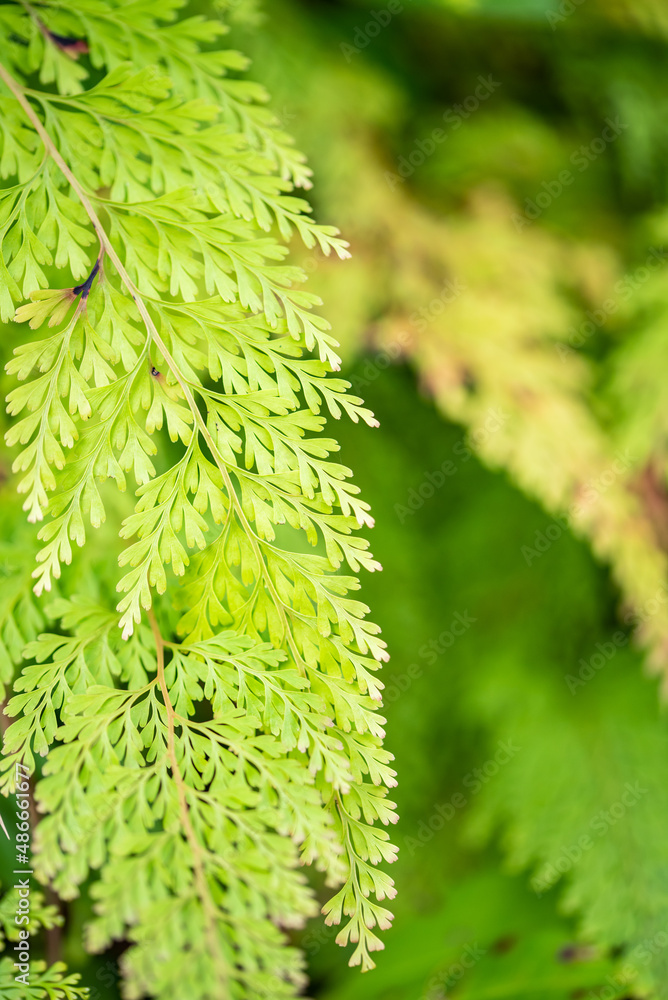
(563, 71)
(526, 717)
(503, 679)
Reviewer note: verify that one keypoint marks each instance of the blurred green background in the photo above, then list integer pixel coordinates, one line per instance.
(489, 221)
(500, 168)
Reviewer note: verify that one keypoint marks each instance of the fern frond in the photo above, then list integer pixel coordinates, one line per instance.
(51, 982)
(185, 317)
(602, 853)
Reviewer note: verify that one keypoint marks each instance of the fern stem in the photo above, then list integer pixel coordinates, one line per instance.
(37, 21)
(106, 245)
(210, 911)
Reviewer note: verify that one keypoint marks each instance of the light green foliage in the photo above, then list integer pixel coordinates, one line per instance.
(43, 982)
(41, 915)
(52, 983)
(196, 762)
(19, 612)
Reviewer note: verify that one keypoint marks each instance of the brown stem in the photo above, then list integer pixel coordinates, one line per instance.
(69, 47)
(4, 721)
(53, 935)
(208, 905)
(650, 487)
(106, 245)
(34, 16)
